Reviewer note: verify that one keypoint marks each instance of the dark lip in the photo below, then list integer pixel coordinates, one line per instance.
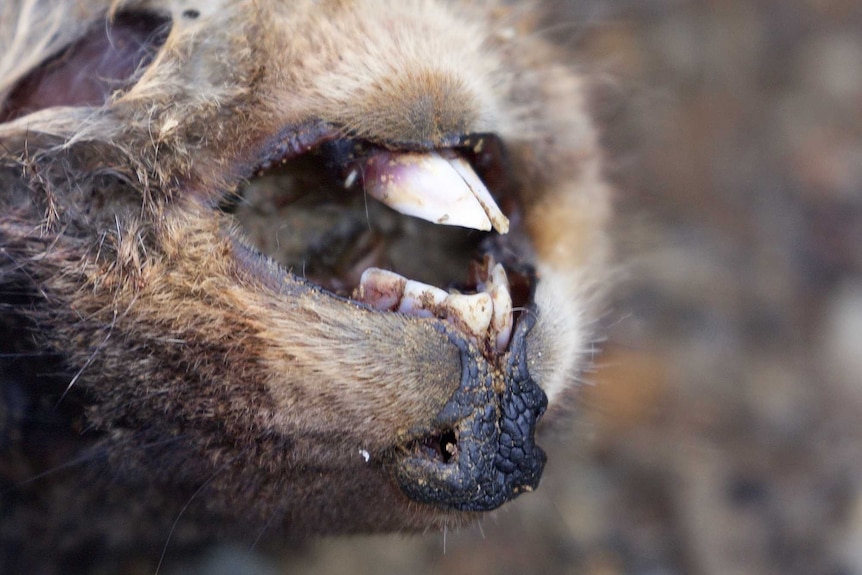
(480, 451)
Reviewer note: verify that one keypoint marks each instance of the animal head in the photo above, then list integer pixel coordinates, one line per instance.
(328, 262)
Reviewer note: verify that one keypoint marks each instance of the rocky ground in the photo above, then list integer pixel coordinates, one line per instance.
(724, 430)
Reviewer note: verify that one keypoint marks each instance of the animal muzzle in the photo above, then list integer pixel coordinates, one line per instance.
(484, 453)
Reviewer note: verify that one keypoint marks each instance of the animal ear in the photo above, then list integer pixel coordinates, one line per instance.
(110, 54)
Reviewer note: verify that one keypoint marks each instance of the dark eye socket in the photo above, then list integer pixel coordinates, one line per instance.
(105, 59)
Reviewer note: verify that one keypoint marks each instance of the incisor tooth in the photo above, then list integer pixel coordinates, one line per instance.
(431, 187)
(381, 289)
(485, 316)
(473, 311)
(421, 300)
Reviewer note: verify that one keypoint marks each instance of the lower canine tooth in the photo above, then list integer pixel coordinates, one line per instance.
(501, 322)
(474, 312)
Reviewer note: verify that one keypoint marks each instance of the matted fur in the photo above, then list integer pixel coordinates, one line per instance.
(199, 365)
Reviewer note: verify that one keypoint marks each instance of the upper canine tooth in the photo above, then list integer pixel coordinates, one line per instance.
(473, 311)
(429, 186)
(481, 193)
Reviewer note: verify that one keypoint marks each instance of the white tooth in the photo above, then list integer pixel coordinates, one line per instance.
(351, 178)
(381, 289)
(483, 196)
(426, 186)
(501, 322)
(421, 300)
(497, 276)
(473, 311)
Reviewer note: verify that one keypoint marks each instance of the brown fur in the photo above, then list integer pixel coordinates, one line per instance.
(175, 334)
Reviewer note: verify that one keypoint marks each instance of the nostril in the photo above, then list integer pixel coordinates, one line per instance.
(442, 446)
(448, 445)
(487, 453)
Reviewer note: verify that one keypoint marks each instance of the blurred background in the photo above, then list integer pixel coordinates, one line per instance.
(723, 432)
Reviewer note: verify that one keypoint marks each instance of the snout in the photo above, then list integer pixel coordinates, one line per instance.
(483, 453)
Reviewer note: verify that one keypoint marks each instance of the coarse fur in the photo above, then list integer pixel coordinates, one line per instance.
(199, 369)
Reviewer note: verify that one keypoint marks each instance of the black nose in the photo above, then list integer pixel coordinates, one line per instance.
(486, 454)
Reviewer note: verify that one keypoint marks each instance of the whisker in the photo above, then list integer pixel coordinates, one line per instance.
(87, 363)
(95, 455)
(266, 525)
(185, 507)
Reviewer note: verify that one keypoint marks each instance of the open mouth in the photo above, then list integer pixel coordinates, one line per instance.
(412, 232)
(426, 232)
